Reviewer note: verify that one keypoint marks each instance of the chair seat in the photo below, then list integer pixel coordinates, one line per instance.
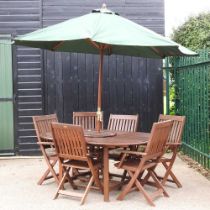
(50, 152)
(130, 164)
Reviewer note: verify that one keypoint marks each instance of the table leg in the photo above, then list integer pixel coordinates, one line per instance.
(106, 174)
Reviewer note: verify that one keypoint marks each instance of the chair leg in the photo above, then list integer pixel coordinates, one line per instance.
(71, 182)
(61, 184)
(128, 186)
(141, 189)
(122, 179)
(158, 183)
(43, 178)
(123, 176)
(169, 172)
(87, 190)
(50, 169)
(145, 179)
(95, 173)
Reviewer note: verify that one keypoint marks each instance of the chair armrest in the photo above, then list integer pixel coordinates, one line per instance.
(172, 146)
(126, 152)
(45, 143)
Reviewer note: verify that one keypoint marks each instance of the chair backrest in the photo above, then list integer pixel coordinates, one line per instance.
(69, 141)
(177, 128)
(127, 123)
(158, 138)
(86, 119)
(42, 124)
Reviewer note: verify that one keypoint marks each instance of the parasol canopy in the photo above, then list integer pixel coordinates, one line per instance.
(102, 32)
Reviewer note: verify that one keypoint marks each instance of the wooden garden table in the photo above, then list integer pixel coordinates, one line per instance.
(121, 139)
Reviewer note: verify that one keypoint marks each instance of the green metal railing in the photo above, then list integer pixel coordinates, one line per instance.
(192, 85)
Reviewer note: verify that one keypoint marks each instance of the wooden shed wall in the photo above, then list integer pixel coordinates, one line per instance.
(47, 82)
(19, 17)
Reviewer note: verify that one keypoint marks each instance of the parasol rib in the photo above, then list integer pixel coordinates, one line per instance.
(57, 45)
(94, 44)
(158, 52)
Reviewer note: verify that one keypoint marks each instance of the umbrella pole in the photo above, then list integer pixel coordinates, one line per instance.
(99, 112)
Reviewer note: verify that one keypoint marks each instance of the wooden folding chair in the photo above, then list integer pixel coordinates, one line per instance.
(42, 126)
(124, 123)
(87, 120)
(136, 163)
(173, 143)
(72, 153)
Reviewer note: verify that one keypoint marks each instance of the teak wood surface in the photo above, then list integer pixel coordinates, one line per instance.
(122, 139)
(173, 143)
(135, 163)
(88, 120)
(72, 153)
(42, 125)
(127, 123)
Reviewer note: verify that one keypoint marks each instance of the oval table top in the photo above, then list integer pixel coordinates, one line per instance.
(121, 139)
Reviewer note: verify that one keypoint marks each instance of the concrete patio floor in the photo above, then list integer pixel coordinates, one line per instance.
(19, 191)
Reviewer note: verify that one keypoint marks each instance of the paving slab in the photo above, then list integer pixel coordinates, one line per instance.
(19, 191)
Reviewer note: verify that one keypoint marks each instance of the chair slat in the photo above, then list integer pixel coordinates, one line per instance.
(127, 123)
(124, 123)
(86, 119)
(159, 133)
(177, 128)
(70, 141)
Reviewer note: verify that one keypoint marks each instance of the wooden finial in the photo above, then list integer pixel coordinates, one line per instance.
(103, 6)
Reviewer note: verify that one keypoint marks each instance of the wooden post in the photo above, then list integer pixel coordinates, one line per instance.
(100, 72)
(101, 48)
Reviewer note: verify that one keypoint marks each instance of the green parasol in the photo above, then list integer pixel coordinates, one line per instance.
(103, 32)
